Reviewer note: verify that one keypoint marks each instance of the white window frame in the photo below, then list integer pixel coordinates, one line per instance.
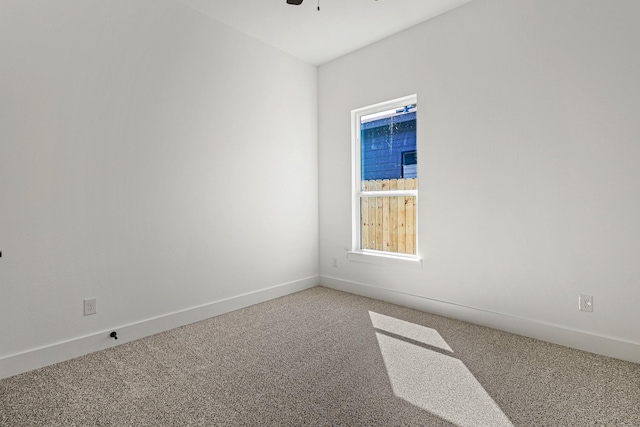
(370, 255)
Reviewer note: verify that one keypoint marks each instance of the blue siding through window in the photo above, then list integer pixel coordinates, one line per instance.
(383, 143)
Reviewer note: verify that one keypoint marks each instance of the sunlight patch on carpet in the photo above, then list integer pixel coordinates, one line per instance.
(409, 330)
(436, 382)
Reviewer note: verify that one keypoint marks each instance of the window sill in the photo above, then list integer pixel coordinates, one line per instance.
(385, 259)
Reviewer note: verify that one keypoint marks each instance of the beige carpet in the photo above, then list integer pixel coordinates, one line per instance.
(323, 357)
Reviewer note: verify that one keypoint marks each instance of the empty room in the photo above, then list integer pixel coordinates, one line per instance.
(319, 212)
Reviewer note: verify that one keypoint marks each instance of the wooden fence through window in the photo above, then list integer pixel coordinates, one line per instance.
(388, 223)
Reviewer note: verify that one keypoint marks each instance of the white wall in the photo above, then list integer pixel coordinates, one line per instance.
(528, 139)
(149, 157)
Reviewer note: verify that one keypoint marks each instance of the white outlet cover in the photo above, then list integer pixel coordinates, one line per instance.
(585, 302)
(90, 306)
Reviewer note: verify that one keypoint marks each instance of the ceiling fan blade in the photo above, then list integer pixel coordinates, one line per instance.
(296, 2)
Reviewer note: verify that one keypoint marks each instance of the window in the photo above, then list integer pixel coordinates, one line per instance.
(410, 164)
(385, 181)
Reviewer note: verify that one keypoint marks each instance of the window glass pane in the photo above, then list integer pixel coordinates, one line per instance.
(388, 223)
(388, 148)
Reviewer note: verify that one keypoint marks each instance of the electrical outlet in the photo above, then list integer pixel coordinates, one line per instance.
(585, 302)
(334, 262)
(90, 306)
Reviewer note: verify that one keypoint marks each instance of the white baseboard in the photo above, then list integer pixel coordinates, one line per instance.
(59, 352)
(607, 346)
